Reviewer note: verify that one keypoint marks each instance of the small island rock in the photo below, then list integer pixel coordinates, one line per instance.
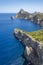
(12, 17)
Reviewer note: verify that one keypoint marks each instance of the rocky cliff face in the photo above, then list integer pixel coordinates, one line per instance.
(35, 17)
(33, 49)
(23, 14)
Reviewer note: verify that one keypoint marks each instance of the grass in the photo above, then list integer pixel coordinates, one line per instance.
(37, 35)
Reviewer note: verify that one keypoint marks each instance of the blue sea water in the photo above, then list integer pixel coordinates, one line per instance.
(10, 48)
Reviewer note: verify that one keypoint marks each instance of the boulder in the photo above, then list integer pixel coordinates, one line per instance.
(12, 17)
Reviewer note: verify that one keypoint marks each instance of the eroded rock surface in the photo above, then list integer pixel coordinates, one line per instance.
(33, 49)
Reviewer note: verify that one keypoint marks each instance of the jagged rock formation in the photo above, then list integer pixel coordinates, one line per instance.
(38, 19)
(23, 14)
(33, 49)
(35, 17)
(41, 22)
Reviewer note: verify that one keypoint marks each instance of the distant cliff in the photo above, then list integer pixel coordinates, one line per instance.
(23, 14)
(33, 49)
(35, 17)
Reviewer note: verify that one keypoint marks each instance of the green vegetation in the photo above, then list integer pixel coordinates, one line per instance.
(37, 35)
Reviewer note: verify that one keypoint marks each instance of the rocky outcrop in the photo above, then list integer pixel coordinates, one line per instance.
(35, 17)
(12, 17)
(38, 19)
(41, 22)
(33, 49)
(23, 14)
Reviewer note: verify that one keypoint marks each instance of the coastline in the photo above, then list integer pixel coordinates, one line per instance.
(33, 17)
(32, 48)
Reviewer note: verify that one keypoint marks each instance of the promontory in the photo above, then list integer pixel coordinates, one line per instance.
(35, 17)
(33, 45)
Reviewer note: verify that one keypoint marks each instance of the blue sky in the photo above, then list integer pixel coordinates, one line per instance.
(12, 6)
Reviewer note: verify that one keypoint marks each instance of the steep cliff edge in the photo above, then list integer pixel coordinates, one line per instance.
(35, 17)
(33, 49)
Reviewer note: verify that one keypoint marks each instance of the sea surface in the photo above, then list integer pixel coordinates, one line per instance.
(11, 49)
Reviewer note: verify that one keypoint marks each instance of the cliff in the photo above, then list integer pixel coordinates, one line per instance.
(33, 49)
(23, 14)
(35, 17)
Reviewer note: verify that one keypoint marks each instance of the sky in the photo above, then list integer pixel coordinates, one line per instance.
(13, 6)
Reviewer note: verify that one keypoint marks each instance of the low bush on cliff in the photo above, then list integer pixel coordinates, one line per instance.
(37, 35)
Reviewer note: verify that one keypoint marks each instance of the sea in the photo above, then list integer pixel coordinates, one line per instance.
(11, 49)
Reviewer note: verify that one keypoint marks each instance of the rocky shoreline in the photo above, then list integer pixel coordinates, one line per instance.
(33, 49)
(34, 17)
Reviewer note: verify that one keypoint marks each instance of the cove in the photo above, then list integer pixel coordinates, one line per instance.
(11, 49)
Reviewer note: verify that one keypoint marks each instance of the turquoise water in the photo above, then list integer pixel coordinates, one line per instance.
(10, 48)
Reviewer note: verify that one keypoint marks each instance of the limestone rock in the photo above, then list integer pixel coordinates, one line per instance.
(33, 49)
(34, 17)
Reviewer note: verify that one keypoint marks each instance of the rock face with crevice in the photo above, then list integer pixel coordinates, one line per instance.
(33, 49)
